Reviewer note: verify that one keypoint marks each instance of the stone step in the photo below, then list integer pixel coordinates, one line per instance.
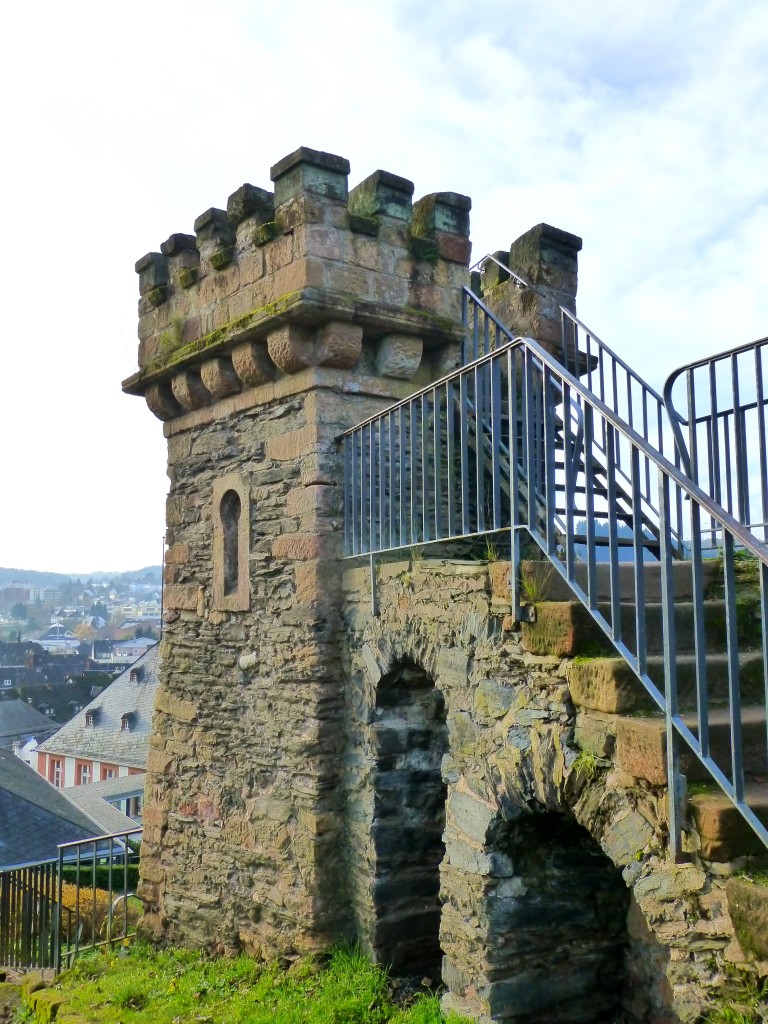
(724, 834)
(610, 685)
(541, 579)
(566, 629)
(641, 746)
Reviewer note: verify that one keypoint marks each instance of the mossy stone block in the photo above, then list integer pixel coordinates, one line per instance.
(748, 906)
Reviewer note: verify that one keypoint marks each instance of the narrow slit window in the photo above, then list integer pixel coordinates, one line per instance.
(231, 543)
(230, 511)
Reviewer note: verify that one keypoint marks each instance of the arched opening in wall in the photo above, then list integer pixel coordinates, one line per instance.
(230, 509)
(410, 737)
(557, 926)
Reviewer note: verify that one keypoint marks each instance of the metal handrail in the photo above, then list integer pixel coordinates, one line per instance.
(413, 476)
(725, 451)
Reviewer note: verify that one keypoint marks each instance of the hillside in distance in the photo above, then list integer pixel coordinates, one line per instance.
(149, 574)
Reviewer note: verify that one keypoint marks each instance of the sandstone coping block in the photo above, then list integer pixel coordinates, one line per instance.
(161, 401)
(289, 348)
(312, 171)
(219, 377)
(606, 684)
(251, 201)
(454, 248)
(252, 364)
(748, 907)
(175, 707)
(493, 274)
(442, 211)
(562, 629)
(399, 356)
(383, 193)
(153, 278)
(189, 390)
(178, 243)
(177, 554)
(32, 982)
(181, 597)
(723, 833)
(641, 749)
(45, 1005)
(338, 344)
(298, 547)
(541, 245)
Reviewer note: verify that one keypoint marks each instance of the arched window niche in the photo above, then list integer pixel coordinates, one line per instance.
(231, 544)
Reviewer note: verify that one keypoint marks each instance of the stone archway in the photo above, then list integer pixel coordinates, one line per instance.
(556, 929)
(410, 738)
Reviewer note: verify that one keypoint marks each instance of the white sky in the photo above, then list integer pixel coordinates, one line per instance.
(641, 127)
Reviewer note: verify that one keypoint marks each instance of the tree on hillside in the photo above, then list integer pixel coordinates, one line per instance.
(19, 611)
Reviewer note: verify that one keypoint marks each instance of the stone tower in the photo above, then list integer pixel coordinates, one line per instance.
(285, 319)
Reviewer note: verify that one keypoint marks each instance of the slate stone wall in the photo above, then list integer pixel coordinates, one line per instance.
(559, 902)
(284, 320)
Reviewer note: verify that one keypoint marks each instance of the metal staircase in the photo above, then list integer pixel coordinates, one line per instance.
(514, 441)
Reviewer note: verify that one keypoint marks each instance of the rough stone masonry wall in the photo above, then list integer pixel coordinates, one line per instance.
(285, 319)
(526, 893)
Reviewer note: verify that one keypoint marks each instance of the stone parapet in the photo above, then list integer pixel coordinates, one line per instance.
(544, 266)
(312, 275)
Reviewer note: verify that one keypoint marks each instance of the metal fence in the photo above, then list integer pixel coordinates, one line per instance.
(84, 899)
(717, 408)
(514, 441)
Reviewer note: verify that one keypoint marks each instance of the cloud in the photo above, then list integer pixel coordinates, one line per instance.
(640, 127)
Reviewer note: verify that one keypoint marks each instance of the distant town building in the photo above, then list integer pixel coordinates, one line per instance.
(109, 737)
(35, 818)
(58, 638)
(20, 722)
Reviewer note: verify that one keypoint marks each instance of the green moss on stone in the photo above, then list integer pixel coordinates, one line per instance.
(222, 257)
(265, 233)
(187, 276)
(158, 295)
(363, 225)
(223, 333)
(423, 248)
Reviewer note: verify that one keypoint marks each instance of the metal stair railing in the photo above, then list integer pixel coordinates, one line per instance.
(412, 477)
(723, 414)
(613, 381)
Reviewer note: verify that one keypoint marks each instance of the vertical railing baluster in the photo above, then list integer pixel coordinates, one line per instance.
(699, 629)
(670, 672)
(638, 553)
(732, 652)
(548, 456)
(451, 455)
(437, 455)
(613, 540)
(762, 456)
(495, 371)
(425, 488)
(464, 449)
(589, 504)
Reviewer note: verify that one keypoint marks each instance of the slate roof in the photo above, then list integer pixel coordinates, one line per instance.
(34, 816)
(94, 800)
(106, 740)
(18, 720)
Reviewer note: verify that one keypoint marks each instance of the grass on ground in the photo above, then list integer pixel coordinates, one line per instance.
(179, 986)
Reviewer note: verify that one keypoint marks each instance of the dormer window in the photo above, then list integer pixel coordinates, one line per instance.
(136, 674)
(92, 716)
(128, 721)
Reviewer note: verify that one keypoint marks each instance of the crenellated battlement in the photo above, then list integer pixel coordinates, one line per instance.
(311, 275)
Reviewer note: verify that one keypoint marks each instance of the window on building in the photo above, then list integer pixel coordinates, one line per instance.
(83, 774)
(231, 541)
(108, 771)
(57, 773)
(133, 808)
